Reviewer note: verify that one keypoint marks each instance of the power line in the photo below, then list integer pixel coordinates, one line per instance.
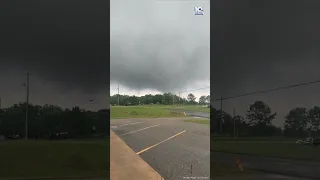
(270, 90)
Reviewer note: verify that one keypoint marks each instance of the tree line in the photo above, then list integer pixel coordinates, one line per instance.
(299, 122)
(49, 121)
(165, 99)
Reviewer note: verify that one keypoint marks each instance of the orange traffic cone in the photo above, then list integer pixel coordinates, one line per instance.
(239, 164)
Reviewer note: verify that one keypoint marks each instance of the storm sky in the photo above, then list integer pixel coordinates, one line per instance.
(159, 46)
(258, 45)
(65, 47)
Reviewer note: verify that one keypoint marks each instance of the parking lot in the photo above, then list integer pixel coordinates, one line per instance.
(174, 148)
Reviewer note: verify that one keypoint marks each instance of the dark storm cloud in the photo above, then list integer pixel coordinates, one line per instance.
(259, 45)
(65, 42)
(157, 50)
(145, 68)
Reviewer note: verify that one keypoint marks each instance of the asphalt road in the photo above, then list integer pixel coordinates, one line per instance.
(193, 113)
(185, 155)
(297, 168)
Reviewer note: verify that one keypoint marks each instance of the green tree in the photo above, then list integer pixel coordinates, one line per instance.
(13, 120)
(191, 98)
(147, 99)
(158, 99)
(259, 114)
(208, 99)
(296, 122)
(51, 119)
(133, 100)
(202, 100)
(314, 119)
(114, 99)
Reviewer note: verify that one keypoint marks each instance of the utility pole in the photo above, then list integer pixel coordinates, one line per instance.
(180, 99)
(221, 118)
(234, 122)
(173, 100)
(27, 104)
(118, 96)
(0, 102)
(139, 95)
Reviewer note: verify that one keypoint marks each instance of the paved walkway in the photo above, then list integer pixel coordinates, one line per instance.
(125, 164)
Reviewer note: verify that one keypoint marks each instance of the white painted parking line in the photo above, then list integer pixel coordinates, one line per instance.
(146, 149)
(127, 124)
(139, 130)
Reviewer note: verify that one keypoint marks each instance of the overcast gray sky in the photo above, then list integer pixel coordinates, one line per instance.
(159, 46)
(259, 45)
(63, 44)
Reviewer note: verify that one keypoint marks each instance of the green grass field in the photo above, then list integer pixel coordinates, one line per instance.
(198, 120)
(280, 149)
(54, 158)
(141, 112)
(219, 169)
(195, 108)
(224, 138)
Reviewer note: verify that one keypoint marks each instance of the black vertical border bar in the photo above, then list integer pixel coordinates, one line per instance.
(211, 55)
(211, 84)
(108, 82)
(216, 41)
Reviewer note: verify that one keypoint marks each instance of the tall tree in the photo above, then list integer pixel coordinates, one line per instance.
(259, 114)
(191, 98)
(296, 122)
(50, 119)
(208, 99)
(158, 99)
(202, 100)
(314, 118)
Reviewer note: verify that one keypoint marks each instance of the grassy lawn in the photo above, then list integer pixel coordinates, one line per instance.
(219, 169)
(192, 108)
(281, 149)
(197, 108)
(54, 158)
(198, 120)
(273, 139)
(141, 112)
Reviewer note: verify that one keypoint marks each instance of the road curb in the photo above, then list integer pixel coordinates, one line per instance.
(126, 164)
